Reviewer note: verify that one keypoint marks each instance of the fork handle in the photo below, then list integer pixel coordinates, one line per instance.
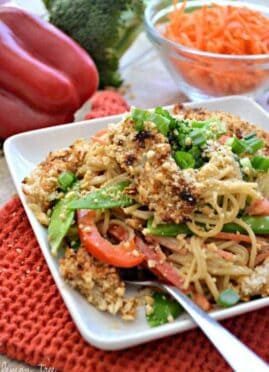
(240, 357)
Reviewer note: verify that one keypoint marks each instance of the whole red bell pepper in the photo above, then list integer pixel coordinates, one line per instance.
(44, 75)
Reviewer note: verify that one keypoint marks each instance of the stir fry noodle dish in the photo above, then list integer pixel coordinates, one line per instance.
(181, 196)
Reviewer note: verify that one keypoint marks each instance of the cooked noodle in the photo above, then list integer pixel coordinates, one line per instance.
(223, 199)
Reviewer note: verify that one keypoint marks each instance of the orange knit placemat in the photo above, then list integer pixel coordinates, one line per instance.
(35, 325)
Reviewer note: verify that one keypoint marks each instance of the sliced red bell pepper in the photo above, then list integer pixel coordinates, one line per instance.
(43, 69)
(123, 254)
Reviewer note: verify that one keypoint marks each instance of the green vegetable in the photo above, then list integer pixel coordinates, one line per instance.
(66, 180)
(198, 137)
(75, 244)
(187, 138)
(245, 163)
(259, 225)
(184, 159)
(160, 117)
(169, 229)
(111, 196)
(164, 309)
(238, 146)
(139, 116)
(161, 122)
(249, 144)
(60, 221)
(260, 163)
(228, 298)
(106, 29)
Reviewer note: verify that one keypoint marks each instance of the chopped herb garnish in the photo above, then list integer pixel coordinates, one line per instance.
(164, 310)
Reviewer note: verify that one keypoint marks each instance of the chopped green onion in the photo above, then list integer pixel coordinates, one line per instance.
(161, 122)
(199, 124)
(161, 111)
(249, 136)
(245, 163)
(160, 117)
(238, 146)
(66, 180)
(218, 127)
(139, 116)
(228, 298)
(254, 144)
(249, 144)
(184, 160)
(246, 167)
(260, 163)
(198, 137)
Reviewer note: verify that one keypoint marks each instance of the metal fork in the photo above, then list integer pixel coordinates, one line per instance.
(240, 357)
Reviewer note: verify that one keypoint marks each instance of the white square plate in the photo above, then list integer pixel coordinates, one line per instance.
(24, 151)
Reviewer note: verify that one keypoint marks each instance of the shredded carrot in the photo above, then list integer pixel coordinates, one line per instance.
(202, 301)
(226, 255)
(230, 236)
(227, 30)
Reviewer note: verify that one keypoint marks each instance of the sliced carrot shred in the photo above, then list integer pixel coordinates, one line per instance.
(226, 255)
(234, 237)
(225, 30)
(202, 301)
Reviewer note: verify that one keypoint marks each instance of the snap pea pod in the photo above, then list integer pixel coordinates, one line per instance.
(111, 196)
(168, 229)
(60, 221)
(259, 225)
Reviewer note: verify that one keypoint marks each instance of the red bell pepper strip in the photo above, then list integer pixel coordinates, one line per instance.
(123, 254)
(44, 69)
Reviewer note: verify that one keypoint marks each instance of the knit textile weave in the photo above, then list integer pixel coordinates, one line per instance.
(35, 325)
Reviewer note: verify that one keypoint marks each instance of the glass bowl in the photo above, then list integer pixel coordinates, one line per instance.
(201, 75)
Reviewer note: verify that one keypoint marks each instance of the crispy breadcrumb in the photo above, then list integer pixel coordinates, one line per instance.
(98, 282)
(257, 283)
(41, 186)
(157, 180)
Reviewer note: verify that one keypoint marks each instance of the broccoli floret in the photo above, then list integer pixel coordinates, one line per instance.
(104, 28)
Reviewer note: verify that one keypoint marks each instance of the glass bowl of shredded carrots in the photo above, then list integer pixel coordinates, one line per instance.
(212, 48)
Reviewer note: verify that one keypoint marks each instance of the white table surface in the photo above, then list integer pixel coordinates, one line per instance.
(150, 85)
